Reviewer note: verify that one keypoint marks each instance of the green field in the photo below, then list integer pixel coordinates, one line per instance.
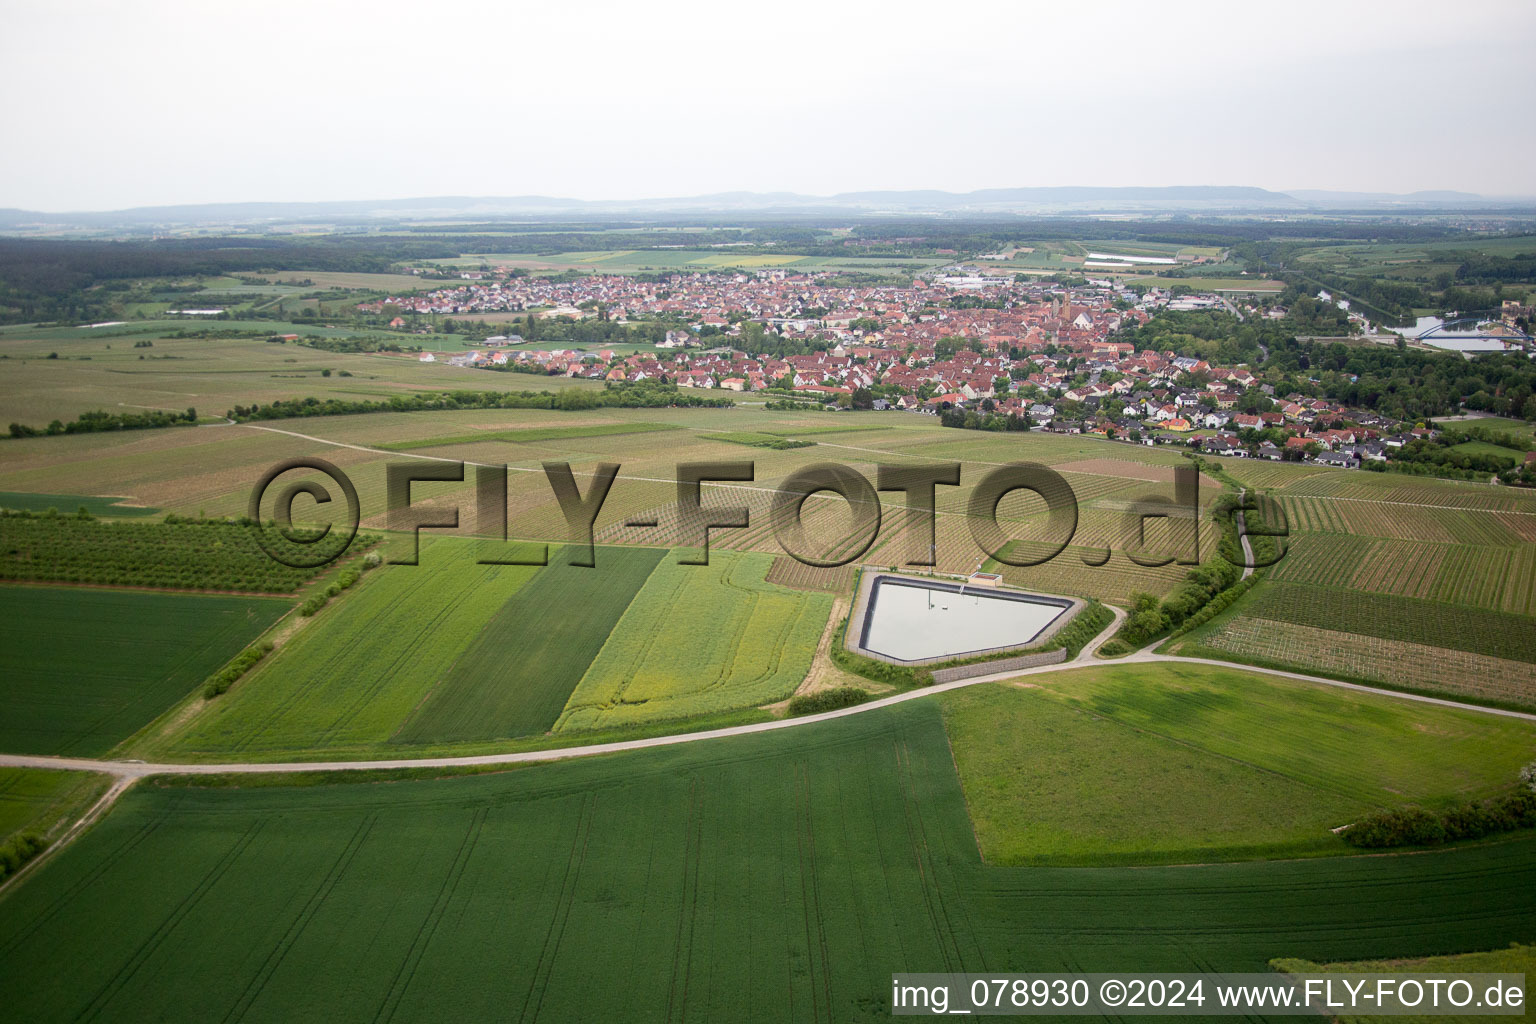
(633, 261)
(353, 673)
(1098, 765)
(531, 434)
(85, 669)
(1495, 634)
(213, 555)
(774, 877)
(67, 503)
(1517, 959)
(515, 678)
(38, 799)
(698, 640)
(1498, 424)
(100, 369)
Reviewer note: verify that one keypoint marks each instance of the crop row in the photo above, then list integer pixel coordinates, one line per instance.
(191, 555)
(352, 675)
(1395, 662)
(1500, 578)
(789, 572)
(698, 640)
(1492, 633)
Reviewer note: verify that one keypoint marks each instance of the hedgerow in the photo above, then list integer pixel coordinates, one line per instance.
(225, 677)
(1414, 826)
(342, 582)
(827, 700)
(17, 850)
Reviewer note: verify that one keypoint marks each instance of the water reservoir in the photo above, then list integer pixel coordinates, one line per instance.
(917, 620)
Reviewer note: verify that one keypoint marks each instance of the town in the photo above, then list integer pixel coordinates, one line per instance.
(987, 352)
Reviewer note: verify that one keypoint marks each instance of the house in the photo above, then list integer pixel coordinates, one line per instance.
(1337, 459)
(1269, 451)
(427, 357)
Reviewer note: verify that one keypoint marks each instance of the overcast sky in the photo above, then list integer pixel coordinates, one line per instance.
(148, 102)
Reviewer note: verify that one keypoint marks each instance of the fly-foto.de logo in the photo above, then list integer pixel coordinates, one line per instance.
(696, 519)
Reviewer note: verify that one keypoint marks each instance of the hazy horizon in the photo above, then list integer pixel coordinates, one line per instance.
(172, 103)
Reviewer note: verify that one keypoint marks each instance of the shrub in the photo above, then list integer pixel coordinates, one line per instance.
(17, 850)
(1528, 776)
(827, 700)
(226, 676)
(1416, 827)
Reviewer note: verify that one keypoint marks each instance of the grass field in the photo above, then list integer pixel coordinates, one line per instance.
(774, 877)
(68, 503)
(517, 675)
(531, 434)
(1519, 958)
(40, 800)
(700, 639)
(1098, 765)
(101, 370)
(353, 674)
(1520, 428)
(85, 669)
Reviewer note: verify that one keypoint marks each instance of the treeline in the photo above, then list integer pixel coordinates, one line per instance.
(1517, 269)
(1387, 299)
(49, 279)
(970, 419)
(1442, 452)
(1215, 336)
(101, 421)
(564, 332)
(1417, 827)
(617, 395)
(1405, 383)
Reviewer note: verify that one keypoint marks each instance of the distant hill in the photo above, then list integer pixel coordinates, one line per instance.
(1035, 201)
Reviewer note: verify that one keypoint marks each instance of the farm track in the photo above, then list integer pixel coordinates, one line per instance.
(126, 773)
(138, 769)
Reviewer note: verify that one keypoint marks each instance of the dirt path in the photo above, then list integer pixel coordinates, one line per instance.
(120, 784)
(1242, 533)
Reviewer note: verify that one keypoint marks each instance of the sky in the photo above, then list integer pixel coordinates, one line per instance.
(109, 105)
